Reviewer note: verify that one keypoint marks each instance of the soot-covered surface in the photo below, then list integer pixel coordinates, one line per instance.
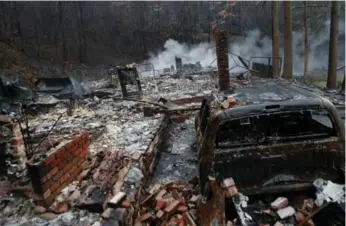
(178, 156)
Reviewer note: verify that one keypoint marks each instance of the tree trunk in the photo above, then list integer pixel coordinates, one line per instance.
(62, 29)
(333, 44)
(275, 34)
(306, 45)
(18, 27)
(343, 84)
(58, 30)
(81, 33)
(287, 73)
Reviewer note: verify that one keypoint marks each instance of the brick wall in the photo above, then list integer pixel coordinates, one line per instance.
(61, 166)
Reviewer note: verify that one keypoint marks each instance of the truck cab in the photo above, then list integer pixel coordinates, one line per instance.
(268, 135)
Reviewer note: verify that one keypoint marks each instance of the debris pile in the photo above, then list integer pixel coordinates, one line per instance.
(281, 211)
(170, 204)
(12, 153)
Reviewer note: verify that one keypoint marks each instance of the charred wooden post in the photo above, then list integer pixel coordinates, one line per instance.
(128, 75)
(222, 59)
(178, 63)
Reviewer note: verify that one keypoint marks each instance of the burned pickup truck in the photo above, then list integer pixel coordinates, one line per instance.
(273, 137)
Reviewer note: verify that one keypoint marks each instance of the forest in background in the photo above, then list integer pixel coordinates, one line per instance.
(110, 33)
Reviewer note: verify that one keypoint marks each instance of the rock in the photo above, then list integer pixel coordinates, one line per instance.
(85, 221)
(107, 213)
(116, 200)
(60, 198)
(67, 218)
(72, 188)
(26, 223)
(279, 203)
(39, 209)
(278, 223)
(48, 216)
(75, 196)
(286, 212)
(8, 210)
(96, 224)
(134, 176)
(228, 182)
(195, 198)
(83, 174)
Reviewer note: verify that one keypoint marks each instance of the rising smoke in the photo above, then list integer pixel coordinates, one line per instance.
(255, 45)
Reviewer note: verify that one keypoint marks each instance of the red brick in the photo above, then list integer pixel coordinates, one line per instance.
(145, 217)
(57, 176)
(182, 209)
(299, 216)
(61, 152)
(77, 140)
(46, 194)
(64, 163)
(67, 182)
(56, 162)
(47, 185)
(3, 193)
(78, 151)
(52, 173)
(83, 154)
(64, 178)
(172, 207)
(68, 168)
(80, 162)
(6, 186)
(125, 204)
(160, 204)
(75, 160)
(69, 146)
(17, 141)
(54, 186)
(178, 118)
(73, 171)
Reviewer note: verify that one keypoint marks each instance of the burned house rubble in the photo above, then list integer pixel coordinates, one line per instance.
(129, 154)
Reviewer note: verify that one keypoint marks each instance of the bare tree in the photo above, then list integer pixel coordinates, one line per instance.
(287, 73)
(333, 44)
(306, 44)
(275, 37)
(81, 33)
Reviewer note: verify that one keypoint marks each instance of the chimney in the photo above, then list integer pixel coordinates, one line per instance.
(222, 59)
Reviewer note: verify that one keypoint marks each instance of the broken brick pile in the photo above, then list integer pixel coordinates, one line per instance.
(61, 166)
(102, 179)
(286, 214)
(170, 204)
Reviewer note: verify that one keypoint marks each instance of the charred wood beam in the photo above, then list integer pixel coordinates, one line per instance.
(278, 189)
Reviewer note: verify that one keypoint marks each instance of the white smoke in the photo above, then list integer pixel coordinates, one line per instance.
(254, 45)
(204, 52)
